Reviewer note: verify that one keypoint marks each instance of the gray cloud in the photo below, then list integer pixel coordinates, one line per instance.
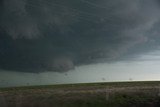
(38, 35)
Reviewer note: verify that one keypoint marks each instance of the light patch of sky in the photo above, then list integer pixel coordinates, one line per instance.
(145, 68)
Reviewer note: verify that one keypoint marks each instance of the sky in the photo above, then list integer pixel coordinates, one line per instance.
(68, 41)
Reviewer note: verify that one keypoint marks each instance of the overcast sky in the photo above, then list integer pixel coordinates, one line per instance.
(71, 41)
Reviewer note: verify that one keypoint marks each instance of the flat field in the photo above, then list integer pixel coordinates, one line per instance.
(112, 94)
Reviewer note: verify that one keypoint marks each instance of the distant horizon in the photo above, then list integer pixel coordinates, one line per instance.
(100, 73)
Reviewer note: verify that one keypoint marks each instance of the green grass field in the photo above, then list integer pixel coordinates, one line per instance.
(113, 94)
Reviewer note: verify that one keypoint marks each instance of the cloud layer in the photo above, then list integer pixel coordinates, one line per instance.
(38, 35)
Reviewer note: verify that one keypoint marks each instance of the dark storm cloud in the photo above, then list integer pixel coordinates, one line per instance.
(56, 35)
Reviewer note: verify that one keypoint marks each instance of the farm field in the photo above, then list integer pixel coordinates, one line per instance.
(111, 94)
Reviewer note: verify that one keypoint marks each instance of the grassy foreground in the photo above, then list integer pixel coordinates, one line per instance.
(114, 94)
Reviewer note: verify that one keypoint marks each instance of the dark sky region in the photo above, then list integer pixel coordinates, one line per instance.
(37, 36)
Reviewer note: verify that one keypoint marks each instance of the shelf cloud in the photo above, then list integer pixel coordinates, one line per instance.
(57, 35)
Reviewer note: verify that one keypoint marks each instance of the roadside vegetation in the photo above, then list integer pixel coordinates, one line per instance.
(116, 94)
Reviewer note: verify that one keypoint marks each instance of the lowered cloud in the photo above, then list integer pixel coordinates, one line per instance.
(38, 35)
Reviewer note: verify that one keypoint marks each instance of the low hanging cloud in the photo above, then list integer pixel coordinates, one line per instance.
(38, 35)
